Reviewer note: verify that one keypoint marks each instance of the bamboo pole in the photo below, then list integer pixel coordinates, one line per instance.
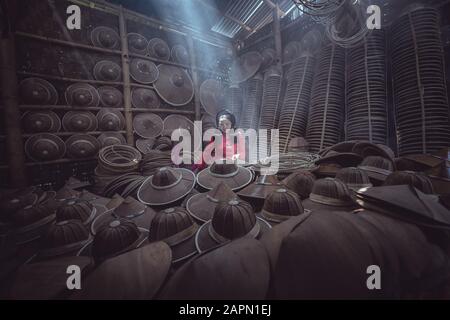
(66, 43)
(195, 79)
(11, 113)
(65, 79)
(277, 36)
(126, 78)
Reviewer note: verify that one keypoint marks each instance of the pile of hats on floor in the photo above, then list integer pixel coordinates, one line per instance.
(226, 234)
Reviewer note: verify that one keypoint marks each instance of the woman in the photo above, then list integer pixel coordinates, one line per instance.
(231, 149)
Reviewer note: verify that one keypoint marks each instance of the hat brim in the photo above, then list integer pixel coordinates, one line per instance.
(67, 121)
(184, 250)
(144, 78)
(95, 34)
(77, 86)
(35, 138)
(86, 250)
(157, 197)
(308, 204)
(204, 241)
(200, 207)
(243, 178)
(346, 159)
(55, 121)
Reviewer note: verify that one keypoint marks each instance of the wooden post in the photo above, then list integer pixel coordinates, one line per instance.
(126, 79)
(192, 55)
(277, 36)
(11, 113)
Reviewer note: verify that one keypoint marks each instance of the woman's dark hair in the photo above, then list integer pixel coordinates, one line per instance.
(228, 114)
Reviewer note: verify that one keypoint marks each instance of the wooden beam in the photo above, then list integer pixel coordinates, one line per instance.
(11, 113)
(195, 80)
(126, 79)
(280, 12)
(277, 37)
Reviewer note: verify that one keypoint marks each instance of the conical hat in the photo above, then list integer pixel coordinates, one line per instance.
(174, 85)
(82, 94)
(111, 138)
(245, 67)
(45, 147)
(268, 57)
(41, 121)
(201, 206)
(107, 71)
(174, 122)
(33, 280)
(180, 54)
(236, 270)
(158, 48)
(144, 98)
(148, 125)
(212, 96)
(82, 146)
(105, 37)
(166, 186)
(145, 145)
(36, 91)
(110, 97)
(137, 43)
(146, 270)
(110, 119)
(143, 71)
(79, 121)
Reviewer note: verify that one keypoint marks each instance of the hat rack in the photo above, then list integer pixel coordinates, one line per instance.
(191, 110)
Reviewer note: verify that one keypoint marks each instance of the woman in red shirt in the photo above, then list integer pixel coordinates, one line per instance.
(231, 149)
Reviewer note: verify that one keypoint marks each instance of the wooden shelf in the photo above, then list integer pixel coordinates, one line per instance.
(69, 108)
(103, 50)
(53, 162)
(67, 134)
(65, 79)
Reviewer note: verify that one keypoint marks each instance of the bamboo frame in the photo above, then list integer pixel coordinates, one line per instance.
(123, 15)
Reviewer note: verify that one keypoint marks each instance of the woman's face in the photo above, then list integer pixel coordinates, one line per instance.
(224, 124)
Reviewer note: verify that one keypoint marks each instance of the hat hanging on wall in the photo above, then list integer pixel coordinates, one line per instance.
(291, 51)
(110, 120)
(174, 85)
(143, 71)
(107, 71)
(145, 145)
(158, 48)
(82, 146)
(37, 91)
(137, 43)
(148, 125)
(245, 66)
(144, 98)
(45, 147)
(41, 121)
(166, 186)
(79, 121)
(110, 97)
(82, 95)
(111, 138)
(212, 96)
(105, 37)
(268, 58)
(175, 122)
(180, 54)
